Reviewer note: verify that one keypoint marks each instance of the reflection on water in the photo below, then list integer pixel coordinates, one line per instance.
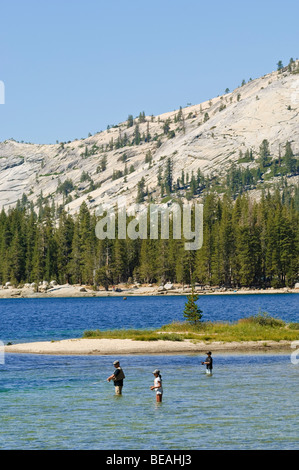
(63, 402)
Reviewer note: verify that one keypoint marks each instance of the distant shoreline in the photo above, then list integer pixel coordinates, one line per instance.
(68, 290)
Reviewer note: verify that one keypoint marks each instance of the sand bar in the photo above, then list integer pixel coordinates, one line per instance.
(127, 346)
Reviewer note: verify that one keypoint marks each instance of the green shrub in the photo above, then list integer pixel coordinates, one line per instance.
(264, 319)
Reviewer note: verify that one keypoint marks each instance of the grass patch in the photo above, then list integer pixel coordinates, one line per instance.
(260, 327)
(119, 334)
(137, 335)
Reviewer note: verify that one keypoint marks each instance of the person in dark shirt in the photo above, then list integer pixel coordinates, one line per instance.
(209, 363)
(117, 377)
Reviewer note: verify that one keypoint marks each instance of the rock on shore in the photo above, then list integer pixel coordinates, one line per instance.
(52, 289)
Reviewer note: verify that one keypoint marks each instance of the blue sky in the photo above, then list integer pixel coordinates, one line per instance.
(72, 67)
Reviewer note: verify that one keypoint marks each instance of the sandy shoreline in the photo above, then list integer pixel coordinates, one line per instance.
(68, 290)
(83, 346)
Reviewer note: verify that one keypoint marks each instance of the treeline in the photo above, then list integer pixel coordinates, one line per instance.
(245, 243)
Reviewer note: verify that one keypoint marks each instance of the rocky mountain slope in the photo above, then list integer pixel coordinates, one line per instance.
(208, 136)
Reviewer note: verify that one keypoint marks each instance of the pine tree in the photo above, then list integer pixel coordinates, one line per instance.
(224, 246)
(140, 191)
(289, 160)
(193, 185)
(136, 135)
(102, 277)
(166, 126)
(15, 259)
(29, 244)
(192, 312)
(50, 255)
(141, 117)
(163, 262)
(87, 244)
(119, 264)
(130, 121)
(38, 257)
(103, 163)
(168, 176)
(64, 236)
(148, 255)
(179, 116)
(148, 135)
(203, 262)
(264, 154)
(75, 257)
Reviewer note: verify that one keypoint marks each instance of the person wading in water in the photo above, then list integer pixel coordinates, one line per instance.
(118, 378)
(158, 385)
(209, 363)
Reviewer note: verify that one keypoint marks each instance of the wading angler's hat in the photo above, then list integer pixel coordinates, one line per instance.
(115, 362)
(156, 371)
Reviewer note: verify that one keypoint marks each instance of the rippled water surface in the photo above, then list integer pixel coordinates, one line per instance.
(64, 402)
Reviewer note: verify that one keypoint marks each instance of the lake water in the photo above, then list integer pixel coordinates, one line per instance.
(53, 319)
(65, 402)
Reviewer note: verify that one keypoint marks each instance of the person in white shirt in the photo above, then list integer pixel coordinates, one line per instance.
(158, 385)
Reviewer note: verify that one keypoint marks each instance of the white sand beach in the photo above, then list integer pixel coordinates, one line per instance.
(127, 346)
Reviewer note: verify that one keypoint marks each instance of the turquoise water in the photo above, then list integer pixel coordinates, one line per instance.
(64, 402)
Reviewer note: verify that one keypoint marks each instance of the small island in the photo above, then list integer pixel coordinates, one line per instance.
(258, 333)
